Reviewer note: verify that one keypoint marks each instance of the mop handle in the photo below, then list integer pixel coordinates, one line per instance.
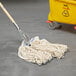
(9, 16)
(24, 36)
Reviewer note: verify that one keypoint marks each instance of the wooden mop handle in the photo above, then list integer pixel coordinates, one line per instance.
(7, 13)
(9, 16)
(13, 21)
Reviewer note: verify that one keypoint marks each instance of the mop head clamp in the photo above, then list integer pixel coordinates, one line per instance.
(24, 43)
(41, 51)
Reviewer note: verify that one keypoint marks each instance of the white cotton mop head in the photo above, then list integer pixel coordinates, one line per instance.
(41, 51)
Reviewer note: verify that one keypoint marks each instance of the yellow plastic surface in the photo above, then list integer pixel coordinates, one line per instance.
(63, 11)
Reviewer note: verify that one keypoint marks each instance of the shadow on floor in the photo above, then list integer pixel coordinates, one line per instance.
(68, 28)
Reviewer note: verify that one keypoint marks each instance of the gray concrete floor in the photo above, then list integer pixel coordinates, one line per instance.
(31, 18)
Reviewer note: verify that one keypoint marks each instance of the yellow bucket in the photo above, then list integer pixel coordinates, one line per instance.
(63, 11)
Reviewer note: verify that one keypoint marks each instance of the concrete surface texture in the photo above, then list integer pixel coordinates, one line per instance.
(31, 17)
